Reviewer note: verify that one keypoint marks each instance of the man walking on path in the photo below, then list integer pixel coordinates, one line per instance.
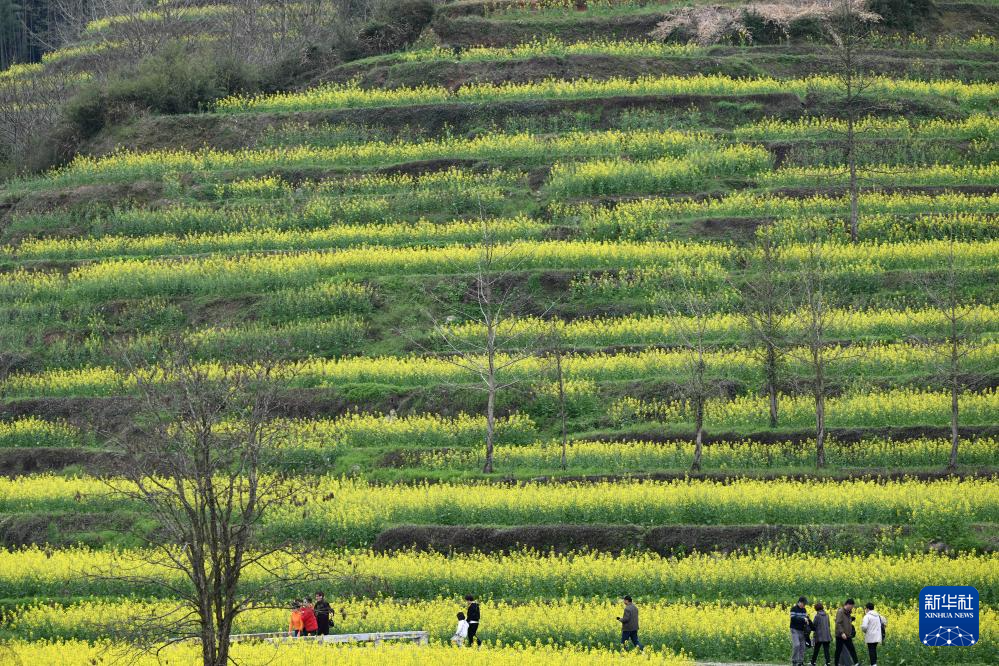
(629, 625)
(845, 633)
(323, 611)
(472, 617)
(873, 626)
(800, 626)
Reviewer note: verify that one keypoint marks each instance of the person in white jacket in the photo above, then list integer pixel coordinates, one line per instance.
(873, 626)
(461, 631)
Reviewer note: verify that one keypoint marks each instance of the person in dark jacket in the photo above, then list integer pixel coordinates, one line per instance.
(629, 624)
(323, 612)
(845, 632)
(800, 626)
(472, 617)
(821, 633)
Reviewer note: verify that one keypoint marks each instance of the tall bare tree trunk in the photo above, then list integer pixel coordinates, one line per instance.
(954, 436)
(820, 428)
(222, 658)
(819, 392)
(771, 378)
(207, 640)
(490, 415)
(851, 142)
(699, 434)
(486, 296)
(561, 404)
(699, 399)
(955, 384)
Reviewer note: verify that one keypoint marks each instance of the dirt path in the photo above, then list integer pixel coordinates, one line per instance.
(733, 663)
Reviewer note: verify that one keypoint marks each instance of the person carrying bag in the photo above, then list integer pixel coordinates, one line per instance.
(873, 626)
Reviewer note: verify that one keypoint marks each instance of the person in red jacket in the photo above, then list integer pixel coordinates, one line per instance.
(310, 626)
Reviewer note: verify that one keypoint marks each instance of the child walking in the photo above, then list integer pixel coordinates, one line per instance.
(461, 631)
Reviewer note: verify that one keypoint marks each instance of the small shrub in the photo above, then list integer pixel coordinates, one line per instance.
(941, 522)
(176, 80)
(762, 28)
(806, 28)
(903, 14)
(394, 26)
(87, 111)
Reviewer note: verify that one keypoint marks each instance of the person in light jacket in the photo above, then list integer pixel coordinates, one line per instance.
(872, 625)
(845, 632)
(461, 631)
(800, 625)
(629, 624)
(821, 634)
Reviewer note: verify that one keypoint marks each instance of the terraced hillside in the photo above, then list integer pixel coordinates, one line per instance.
(668, 226)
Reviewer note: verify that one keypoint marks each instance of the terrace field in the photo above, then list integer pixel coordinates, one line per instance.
(634, 199)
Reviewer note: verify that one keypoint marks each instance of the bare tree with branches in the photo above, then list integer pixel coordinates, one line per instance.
(195, 463)
(963, 327)
(491, 340)
(846, 26)
(764, 305)
(688, 309)
(814, 318)
(30, 107)
(557, 350)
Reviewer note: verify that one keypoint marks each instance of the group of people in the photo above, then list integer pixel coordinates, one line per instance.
(468, 624)
(310, 618)
(314, 619)
(816, 632)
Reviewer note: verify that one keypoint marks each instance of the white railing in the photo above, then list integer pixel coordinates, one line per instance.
(419, 637)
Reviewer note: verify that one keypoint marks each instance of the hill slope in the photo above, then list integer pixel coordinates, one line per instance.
(635, 203)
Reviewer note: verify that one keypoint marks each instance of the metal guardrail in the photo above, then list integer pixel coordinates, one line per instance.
(419, 637)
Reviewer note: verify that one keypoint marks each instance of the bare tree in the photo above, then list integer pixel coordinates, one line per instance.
(491, 341)
(30, 107)
(846, 26)
(131, 29)
(765, 306)
(814, 318)
(688, 309)
(194, 462)
(556, 347)
(963, 326)
(63, 22)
